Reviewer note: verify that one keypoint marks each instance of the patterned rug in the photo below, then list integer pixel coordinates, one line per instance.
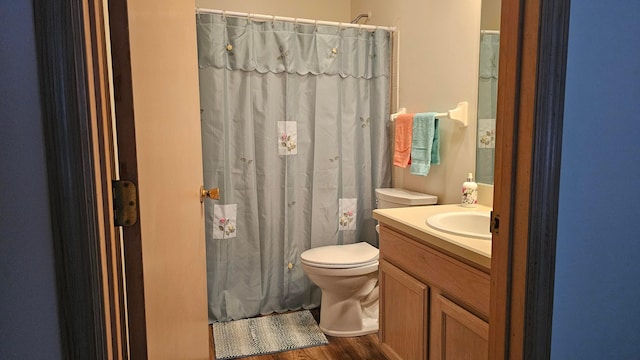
(266, 335)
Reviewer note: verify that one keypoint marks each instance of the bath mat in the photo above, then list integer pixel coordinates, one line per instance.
(266, 335)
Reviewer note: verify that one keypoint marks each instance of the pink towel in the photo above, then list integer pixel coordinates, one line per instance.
(402, 152)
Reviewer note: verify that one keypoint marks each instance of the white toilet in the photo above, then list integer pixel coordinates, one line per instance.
(348, 275)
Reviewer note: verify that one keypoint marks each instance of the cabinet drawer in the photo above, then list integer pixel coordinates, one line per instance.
(457, 280)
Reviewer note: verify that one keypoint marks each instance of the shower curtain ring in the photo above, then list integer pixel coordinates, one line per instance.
(224, 16)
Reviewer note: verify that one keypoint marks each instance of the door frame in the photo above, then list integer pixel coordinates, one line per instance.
(530, 107)
(128, 160)
(531, 83)
(71, 49)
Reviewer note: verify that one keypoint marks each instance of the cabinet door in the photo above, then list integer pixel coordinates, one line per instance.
(403, 314)
(455, 332)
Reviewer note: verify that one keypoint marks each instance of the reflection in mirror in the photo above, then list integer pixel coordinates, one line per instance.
(487, 91)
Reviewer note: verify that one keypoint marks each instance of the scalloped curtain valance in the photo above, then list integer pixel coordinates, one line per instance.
(237, 43)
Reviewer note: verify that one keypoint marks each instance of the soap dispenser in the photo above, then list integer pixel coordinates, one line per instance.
(469, 192)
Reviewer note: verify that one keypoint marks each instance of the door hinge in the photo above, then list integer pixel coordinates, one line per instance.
(494, 225)
(125, 203)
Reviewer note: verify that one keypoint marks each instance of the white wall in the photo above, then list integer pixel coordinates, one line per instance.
(29, 323)
(329, 10)
(438, 62)
(491, 14)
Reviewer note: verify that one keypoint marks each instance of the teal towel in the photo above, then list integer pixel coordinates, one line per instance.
(425, 143)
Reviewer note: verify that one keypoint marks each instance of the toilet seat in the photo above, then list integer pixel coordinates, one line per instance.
(310, 270)
(341, 256)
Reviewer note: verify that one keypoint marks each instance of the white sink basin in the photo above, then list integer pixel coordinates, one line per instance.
(473, 224)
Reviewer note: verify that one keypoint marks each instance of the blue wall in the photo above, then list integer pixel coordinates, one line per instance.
(596, 313)
(29, 325)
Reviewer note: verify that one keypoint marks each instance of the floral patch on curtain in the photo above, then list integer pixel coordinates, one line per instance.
(224, 221)
(486, 133)
(287, 138)
(348, 209)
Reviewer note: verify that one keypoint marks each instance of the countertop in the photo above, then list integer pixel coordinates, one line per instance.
(412, 221)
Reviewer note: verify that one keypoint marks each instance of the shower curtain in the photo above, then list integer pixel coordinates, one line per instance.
(487, 106)
(295, 134)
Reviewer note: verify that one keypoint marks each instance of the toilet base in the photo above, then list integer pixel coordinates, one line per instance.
(370, 326)
(355, 315)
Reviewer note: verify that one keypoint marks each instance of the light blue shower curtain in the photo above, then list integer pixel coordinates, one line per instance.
(487, 106)
(295, 134)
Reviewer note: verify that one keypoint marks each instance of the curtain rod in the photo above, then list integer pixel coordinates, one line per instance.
(490, 32)
(295, 20)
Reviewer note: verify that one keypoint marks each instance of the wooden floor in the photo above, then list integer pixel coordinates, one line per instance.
(356, 348)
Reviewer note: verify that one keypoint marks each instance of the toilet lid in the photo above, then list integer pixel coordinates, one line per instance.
(341, 256)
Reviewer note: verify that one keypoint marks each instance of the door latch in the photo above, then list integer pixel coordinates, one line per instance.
(494, 224)
(125, 203)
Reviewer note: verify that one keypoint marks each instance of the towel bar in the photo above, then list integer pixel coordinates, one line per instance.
(459, 114)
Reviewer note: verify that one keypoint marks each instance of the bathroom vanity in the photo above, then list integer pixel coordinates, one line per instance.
(434, 287)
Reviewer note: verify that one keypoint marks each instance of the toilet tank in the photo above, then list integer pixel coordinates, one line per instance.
(394, 197)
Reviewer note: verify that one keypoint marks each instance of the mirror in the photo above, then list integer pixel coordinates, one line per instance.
(487, 90)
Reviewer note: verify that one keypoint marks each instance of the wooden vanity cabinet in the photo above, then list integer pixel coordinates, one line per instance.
(432, 305)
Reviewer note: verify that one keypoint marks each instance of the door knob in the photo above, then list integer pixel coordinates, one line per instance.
(213, 193)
